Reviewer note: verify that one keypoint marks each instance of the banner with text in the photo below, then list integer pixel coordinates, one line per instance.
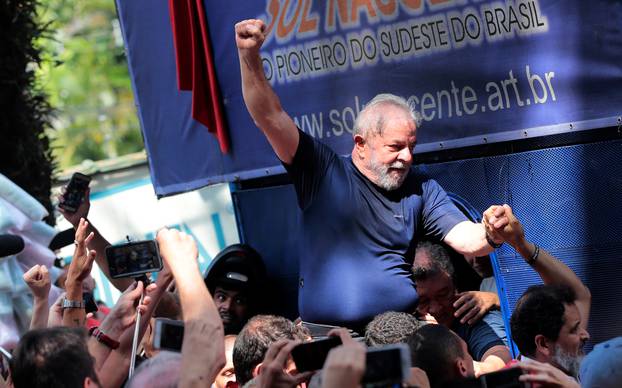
(478, 71)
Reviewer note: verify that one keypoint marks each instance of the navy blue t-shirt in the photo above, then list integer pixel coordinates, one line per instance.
(482, 335)
(358, 240)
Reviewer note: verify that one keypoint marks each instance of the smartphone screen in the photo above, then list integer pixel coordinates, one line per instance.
(386, 365)
(168, 334)
(310, 356)
(74, 194)
(89, 302)
(133, 259)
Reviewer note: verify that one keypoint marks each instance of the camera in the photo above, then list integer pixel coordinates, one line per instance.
(168, 334)
(133, 259)
(74, 194)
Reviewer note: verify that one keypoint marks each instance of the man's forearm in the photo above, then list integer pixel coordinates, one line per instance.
(203, 332)
(40, 314)
(469, 239)
(553, 271)
(74, 317)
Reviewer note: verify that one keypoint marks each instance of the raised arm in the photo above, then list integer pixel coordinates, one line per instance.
(261, 101)
(469, 238)
(203, 347)
(550, 269)
(98, 242)
(38, 280)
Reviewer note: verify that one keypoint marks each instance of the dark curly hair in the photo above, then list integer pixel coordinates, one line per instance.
(540, 310)
(391, 327)
(254, 340)
(439, 261)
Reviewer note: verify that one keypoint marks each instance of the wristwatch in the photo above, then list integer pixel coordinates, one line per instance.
(492, 242)
(73, 304)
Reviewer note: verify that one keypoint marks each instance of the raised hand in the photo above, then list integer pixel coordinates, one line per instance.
(250, 34)
(178, 250)
(545, 375)
(345, 364)
(473, 305)
(123, 314)
(81, 212)
(502, 222)
(38, 280)
(83, 258)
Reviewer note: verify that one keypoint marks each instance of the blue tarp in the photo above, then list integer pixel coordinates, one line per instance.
(478, 71)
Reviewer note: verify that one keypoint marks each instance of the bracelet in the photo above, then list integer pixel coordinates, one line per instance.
(532, 259)
(492, 242)
(102, 338)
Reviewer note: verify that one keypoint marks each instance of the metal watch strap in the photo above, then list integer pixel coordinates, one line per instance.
(73, 304)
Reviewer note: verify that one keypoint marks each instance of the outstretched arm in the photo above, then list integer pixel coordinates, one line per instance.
(98, 243)
(38, 280)
(550, 269)
(469, 238)
(203, 347)
(261, 101)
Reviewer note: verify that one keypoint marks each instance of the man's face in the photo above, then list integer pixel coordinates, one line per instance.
(568, 349)
(233, 308)
(481, 265)
(227, 373)
(389, 155)
(436, 297)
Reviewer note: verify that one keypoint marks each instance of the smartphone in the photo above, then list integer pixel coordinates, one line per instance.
(89, 302)
(168, 334)
(74, 194)
(133, 259)
(310, 356)
(505, 378)
(386, 365)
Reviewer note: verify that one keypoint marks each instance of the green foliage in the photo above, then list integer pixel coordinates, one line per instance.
(86, 76)
(25, 155)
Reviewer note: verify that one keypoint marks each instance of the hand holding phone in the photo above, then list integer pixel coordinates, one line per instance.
(133, 259)
(310, 356)
(74, 193)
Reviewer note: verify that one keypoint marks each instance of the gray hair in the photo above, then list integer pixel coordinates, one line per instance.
(161, 371)
(371, 121)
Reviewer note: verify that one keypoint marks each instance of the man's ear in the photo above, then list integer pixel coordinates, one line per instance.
(461, 368)
(257, 369)
(89, 383)
(359, 146)
(543, 346)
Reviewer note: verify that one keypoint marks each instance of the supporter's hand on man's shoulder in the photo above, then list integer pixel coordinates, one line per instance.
(473, 305)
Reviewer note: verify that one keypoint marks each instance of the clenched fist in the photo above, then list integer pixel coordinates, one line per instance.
(250, 34)
(38, 280)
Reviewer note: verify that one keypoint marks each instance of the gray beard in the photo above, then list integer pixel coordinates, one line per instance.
(567, 361)
(385, 179)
